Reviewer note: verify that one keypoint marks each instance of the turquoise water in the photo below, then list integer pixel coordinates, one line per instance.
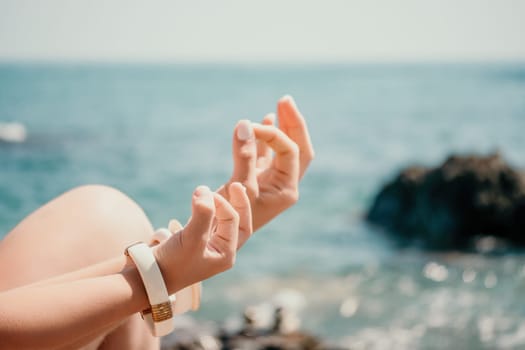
(156, 132)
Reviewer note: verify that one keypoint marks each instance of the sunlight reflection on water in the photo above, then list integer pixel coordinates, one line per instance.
(412, 300)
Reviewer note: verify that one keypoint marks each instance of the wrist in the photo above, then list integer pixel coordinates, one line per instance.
(164, 266)
(140, 296)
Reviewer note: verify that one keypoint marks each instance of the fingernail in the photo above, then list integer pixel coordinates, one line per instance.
(270, 117)
(244, 130)
(174, 226)
(288, 98)
(241, 185)
(202, 191)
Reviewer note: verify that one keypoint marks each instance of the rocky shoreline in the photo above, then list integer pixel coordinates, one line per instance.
(281, 333)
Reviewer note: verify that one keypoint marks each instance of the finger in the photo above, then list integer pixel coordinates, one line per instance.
(203, 212)
(241, 203)
(174, 226)
(286, 158)
(224, 239)
(160, 235)
(293, 124)
(269, 119)
(245, 156)
(264, 152)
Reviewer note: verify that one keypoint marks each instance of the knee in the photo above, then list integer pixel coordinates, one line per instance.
(98, 221)
(110, 213)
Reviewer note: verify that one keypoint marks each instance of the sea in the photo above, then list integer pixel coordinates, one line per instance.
(156, 131)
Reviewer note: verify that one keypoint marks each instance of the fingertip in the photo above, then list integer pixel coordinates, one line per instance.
(203, 198)
(174, 226)
(201, 190)
(286, 98)
(244, 149)
(269, 119)
(239, 196)
(203, 212)
(288, 101)
(244, 145)
(237, 186)
(225, 209)
(244, 130)
(289, 114)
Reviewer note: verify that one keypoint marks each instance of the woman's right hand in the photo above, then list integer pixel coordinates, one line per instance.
(272, 180)
(207, 245)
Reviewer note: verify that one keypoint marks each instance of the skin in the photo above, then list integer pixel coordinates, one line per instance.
(36, 304)
(45, 315)
(272, 181)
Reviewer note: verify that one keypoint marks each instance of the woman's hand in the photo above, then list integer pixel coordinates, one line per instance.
(272, 181)
(207, 244)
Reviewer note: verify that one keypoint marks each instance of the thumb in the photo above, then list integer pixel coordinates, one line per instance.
(245, 156)
(202, 214)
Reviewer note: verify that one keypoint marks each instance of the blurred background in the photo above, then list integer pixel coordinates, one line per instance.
(144, 96)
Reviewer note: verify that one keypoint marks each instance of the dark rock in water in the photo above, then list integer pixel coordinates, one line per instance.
(289, 341)
(446, 207)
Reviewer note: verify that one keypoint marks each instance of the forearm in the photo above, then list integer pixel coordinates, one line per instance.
(107, 267)
(53, 315)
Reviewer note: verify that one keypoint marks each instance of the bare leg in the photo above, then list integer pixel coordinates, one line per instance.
(79, 228)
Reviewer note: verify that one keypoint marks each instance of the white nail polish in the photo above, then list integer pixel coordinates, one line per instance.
(244, 130)
(202, 191)
(271, 117)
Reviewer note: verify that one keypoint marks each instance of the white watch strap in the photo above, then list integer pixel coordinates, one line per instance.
(161, 311)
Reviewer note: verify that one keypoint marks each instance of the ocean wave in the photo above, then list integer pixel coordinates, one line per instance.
(13, 132)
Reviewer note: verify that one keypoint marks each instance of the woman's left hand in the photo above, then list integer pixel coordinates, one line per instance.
(207, 245)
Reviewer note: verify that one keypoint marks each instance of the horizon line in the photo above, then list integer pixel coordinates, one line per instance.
(284, 62)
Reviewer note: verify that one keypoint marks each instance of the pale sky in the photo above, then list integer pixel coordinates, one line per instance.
(263, 31)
